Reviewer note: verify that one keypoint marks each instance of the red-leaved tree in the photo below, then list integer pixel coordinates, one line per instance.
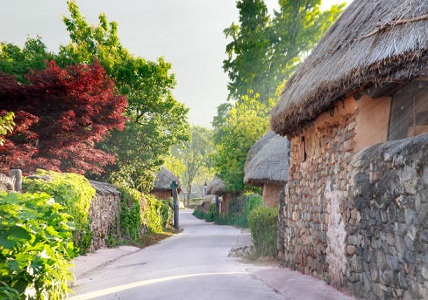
(60, 114)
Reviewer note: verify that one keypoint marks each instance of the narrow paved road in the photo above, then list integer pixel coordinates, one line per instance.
(191, 265)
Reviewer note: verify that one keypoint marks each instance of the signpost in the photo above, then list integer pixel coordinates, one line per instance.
(174, 187)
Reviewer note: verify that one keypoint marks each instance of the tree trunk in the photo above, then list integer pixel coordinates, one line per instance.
(189, 189)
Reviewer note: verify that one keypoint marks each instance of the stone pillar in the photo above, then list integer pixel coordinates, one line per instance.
(16, 175)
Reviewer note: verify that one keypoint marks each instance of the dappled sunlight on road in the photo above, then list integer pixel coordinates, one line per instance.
(128, 286)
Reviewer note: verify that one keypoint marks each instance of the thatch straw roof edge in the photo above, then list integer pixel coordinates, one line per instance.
(267, 161)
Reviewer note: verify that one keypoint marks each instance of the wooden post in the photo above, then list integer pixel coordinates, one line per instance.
(16, 175)
(174, 187)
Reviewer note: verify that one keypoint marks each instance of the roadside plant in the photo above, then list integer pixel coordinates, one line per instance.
(152, 214)
(74, 192)
(130, 215)
(35, 247)
(263, 224)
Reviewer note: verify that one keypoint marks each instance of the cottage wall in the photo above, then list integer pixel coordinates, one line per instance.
(372, 121)
(387, 232)
(312, 229)
(271, 194)
(104, 213)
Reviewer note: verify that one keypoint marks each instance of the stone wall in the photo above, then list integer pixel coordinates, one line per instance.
(312, 229)
(387, 241)
(104, 213)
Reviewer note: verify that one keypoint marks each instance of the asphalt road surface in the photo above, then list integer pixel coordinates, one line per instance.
(191, 265)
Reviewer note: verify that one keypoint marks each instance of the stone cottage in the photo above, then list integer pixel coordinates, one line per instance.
(162, 187)
(267, 166)
(355, 211)
(217, 189)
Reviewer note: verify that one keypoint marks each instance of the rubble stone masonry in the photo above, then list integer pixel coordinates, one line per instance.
(312, 228)
(387, 228)
(104, 213)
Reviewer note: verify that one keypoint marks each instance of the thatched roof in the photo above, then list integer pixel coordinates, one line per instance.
(267, 161)
(216, 187)
(163, 180)
(373, 44)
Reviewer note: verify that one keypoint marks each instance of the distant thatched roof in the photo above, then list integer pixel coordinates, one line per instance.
(267, 160)
(163, 180)
(216, 187)
(373, 44)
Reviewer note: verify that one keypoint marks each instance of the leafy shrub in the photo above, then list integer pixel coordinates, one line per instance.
(35, 246)
(72, 191)
(263, 224)
(167, 213)
(210, 216)
(138, 210)
(152, 214)
(240, 208)
(130, 215)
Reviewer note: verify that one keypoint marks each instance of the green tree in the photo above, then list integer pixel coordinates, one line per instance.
(264, 52)
(247, 64)
(18, 62)
(296, 29)
(246, 122)
(156, 120)
(195, 155)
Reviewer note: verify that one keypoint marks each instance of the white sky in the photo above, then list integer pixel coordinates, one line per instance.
(188, 33)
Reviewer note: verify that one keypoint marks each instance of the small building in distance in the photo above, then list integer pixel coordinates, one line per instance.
(162, 184)
(267, 166)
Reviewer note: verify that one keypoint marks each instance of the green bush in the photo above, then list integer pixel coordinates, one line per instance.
(35, 247)
(130, 215)
(167, 213)
(209, 216)
(153, 214)
(72, 191)
(263, 224)
(240, 208)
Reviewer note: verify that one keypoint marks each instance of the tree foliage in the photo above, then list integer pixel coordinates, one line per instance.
(195, 155)
(59, 116)
(245, 123)
(248, 53)
(264, 52)
(156, 120)
(18, 62)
